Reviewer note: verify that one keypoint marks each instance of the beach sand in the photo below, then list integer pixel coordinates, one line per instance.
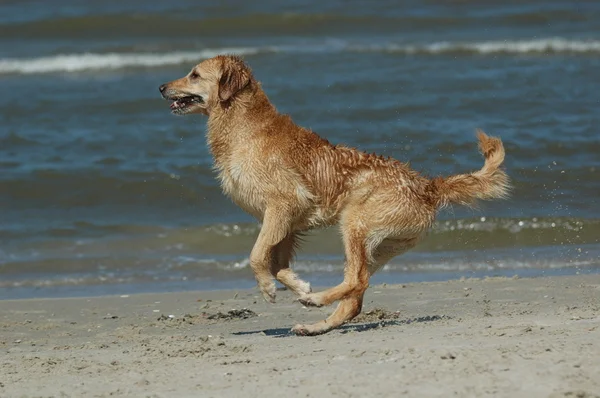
(505, 337)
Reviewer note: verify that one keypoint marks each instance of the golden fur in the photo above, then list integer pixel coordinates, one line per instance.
(292, 180)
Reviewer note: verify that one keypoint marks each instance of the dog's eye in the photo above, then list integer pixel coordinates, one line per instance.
(194, 75)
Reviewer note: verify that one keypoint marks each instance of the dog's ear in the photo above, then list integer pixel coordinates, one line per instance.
(236, 76)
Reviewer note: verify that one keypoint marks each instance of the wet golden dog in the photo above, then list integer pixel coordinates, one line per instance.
(292, 180)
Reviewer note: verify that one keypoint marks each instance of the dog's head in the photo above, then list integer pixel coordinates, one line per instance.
(213, 82)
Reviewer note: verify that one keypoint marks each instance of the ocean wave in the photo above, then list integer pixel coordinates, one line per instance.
(94, 240)
(129, 258)
(108, 61)
(111, 61)
(192, 268)
(536, 46)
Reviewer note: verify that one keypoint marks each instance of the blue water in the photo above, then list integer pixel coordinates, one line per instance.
(102, 190)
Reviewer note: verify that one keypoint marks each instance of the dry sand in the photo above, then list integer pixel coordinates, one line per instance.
(493, 337)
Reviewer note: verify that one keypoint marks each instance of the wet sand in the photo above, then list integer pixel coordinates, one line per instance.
(491, 337)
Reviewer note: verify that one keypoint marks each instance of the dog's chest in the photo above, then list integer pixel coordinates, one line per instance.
(242, 184)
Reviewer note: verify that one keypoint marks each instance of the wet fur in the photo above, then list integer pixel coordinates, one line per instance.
(292, 181)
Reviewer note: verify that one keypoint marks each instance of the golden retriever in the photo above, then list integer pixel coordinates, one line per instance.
(292, 181)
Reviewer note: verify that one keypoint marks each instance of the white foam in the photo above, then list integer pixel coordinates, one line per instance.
(548, 45)
(91, 61)
(525, 46)
(110, 61)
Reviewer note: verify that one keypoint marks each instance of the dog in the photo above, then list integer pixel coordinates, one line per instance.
(292, 180)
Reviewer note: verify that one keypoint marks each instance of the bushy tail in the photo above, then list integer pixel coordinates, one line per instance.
(490, 182)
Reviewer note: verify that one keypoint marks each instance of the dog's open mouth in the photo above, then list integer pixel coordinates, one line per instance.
(180, 105)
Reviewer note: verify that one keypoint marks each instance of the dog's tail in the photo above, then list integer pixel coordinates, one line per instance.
(491, 182)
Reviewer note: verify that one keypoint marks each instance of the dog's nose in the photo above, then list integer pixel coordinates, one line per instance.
(162, 88)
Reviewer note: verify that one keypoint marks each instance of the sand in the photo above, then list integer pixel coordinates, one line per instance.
(493, 337)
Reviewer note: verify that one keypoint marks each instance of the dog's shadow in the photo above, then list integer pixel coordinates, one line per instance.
(351, 327)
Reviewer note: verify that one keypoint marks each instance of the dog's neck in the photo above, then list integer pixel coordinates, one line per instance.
(231, 124)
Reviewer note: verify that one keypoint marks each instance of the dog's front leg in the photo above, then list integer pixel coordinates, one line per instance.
(274, 229)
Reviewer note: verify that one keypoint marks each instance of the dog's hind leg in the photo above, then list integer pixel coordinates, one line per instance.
(284, 252)
(384, 252)
(350, 292)
(347, 309)
(388, 249)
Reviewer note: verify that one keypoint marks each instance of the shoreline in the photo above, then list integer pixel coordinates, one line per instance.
(247, 282)
(472, 337)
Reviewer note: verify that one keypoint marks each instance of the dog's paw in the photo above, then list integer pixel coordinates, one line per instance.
(308, 330)
(301, 330)
(303, 288)
(310, 300)
(268, 293)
